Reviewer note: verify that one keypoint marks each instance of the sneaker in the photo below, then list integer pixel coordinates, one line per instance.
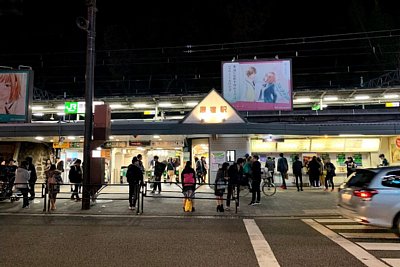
(227, 208)
(153, 191)
(77, 200)
(251, 204)
(130, 207)
(25, 207)
(257, 203)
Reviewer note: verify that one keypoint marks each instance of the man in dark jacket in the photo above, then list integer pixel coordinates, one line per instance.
(283, 168)
(235, 173)
(256, 180)
(33, 177)
(75, 177)
(159, 168)
(297, 167)
(134, 176)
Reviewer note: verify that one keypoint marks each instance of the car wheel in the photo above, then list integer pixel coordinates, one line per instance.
(396, 225)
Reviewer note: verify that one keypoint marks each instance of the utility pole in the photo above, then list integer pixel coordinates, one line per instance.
(89, 92)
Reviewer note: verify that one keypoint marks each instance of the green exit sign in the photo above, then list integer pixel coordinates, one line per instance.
(71, 108)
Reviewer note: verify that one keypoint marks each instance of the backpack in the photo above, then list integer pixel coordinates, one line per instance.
(188, 179)
(130, 174)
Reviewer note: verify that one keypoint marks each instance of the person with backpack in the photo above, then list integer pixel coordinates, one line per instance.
(270, 165)
(235, 173)
(134, 175)
(75, 176)
(159, 168)
(170, 170)
(33, 179)
(53, 180)
(221, 181)
(188, 177)
(330, 172)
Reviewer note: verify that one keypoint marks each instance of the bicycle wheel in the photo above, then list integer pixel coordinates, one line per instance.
(268, 189)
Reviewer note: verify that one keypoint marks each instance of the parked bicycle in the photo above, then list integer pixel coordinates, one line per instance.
(267, 186)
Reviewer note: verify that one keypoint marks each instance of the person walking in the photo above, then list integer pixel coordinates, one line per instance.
(235, 173)
(188, 177)
(22, 177)
(134, 175)
(256, 181)
(283, 168)
(297, 167)
(75, 177)
(221, 181)
(33, 177)
(53, 181)
(330, 173)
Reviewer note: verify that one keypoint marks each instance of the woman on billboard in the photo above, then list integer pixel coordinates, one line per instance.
(11, 101)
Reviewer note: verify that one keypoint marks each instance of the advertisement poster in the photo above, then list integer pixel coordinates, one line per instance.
(258, 85)
(340, 159)
(358, 159)
(217, 158)
(15, 94)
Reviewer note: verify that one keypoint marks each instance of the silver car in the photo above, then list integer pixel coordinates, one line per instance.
(372, 196)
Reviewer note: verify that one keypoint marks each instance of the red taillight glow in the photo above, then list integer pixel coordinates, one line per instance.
(365, 194)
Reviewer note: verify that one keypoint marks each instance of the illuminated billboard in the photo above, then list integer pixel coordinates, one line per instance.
(258, 85)
(16, 87)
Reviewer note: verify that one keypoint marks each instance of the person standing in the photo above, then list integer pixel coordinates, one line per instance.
(270, 165)
(204, 166)
(59, 164)
(199, 169)
(256, 181)
(33, 175)
(159, 168)
(297, 167)
(384, 161)
(314, 170)
(220, 185)
(283, 168)
(170, 170)
(134, 175)
(75, 177)
(351, 166)
(22, 177)
(188, 177)
(53, 180)
(140, 163)
(330, 172)
(235, 173)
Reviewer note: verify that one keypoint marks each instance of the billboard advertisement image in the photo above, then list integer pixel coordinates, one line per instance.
(258, 85)
(15, 93)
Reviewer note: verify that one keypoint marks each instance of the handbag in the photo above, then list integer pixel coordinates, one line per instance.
(286, 176)
(188, 205)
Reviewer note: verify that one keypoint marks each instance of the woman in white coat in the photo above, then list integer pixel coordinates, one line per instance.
(22, 182)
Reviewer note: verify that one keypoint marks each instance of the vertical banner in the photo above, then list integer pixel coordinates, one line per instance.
(217, 158)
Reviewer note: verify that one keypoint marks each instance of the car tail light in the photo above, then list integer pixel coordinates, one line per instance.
(365, 194)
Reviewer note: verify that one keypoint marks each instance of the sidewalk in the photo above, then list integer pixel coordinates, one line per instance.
(114, 201)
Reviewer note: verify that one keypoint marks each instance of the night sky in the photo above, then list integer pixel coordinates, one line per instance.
(147, 47)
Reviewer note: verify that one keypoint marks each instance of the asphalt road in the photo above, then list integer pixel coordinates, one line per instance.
(41, 240)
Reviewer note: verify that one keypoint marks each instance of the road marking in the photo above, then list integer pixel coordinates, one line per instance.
(379, 246)
(263, 251)
(393, 262)
(370, 235)
(351, 226)
(334, 220)
(321, 211)
(361, 254)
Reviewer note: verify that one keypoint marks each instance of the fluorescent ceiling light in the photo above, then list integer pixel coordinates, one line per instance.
(164, 104)
(116, 106)
(156, 136)
(37, 107)
(330, 98)
(191, 104)
(39, 138)
(60, 113)
(38, 114)
(111, 137)
(361, 97)
(140, 105)
(324, 105)
(71, 137)
(302, 100)
(350, 135)
(60, 107)
(391, 96)
(95, 103)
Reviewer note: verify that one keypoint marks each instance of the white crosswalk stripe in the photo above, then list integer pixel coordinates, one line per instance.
(352, 231)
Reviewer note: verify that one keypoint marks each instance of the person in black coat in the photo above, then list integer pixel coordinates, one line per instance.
(235, 173)
(33, 177)
(297, 167)
(134, 176)
(256, 180)
(76, 177)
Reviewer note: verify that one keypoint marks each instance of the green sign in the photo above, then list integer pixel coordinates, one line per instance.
(340, 159)
(71, 108)
(358, 159)
(316, 107)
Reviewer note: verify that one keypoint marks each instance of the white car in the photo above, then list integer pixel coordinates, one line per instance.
(372, 196)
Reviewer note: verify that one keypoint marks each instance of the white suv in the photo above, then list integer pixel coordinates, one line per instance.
(372, 196)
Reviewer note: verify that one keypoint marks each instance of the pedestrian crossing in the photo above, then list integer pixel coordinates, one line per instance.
(374, 246)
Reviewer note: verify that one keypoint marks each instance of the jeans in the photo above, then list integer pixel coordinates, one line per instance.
(133, 194)
(299, 176)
